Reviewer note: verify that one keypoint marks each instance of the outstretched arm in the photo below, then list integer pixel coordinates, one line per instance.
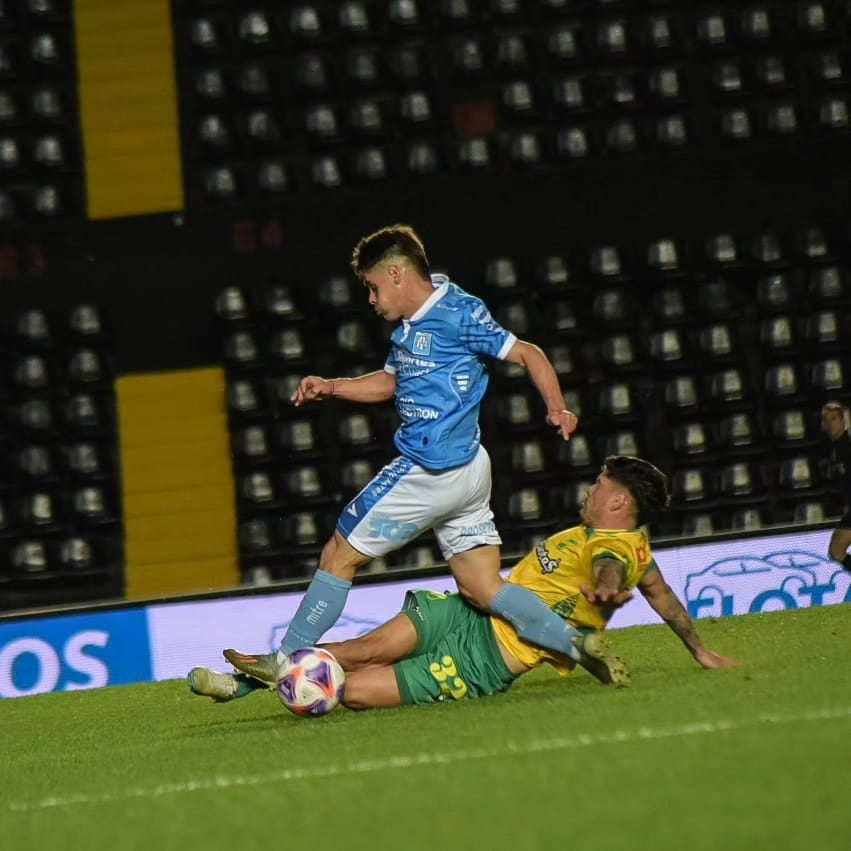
(609, 576)
(544, 377)
(372, 387)
(665, 603)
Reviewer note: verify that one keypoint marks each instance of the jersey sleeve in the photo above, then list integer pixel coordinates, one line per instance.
(481, 333)
(390, 363)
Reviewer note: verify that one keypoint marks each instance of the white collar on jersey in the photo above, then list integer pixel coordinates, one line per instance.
(441, 287)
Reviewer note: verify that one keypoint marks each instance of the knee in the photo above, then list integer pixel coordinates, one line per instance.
(482, 591)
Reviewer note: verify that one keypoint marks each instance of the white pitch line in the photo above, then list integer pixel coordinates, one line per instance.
(426, 758)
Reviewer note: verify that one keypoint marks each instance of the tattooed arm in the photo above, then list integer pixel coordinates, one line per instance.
(665, 603)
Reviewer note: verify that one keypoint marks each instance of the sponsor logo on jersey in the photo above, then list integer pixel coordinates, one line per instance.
(548, 564)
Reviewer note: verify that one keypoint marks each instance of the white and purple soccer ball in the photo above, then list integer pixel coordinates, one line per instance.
(310, 682)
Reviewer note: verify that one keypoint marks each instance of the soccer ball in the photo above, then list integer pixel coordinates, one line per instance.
(310, 682)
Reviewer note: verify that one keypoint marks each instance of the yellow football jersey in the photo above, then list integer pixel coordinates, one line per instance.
(556, 568)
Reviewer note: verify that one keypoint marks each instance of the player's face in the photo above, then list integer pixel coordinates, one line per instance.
(597, 498)
(385, 294)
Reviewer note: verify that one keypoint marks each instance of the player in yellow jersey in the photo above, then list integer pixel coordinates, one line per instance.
(442, 648)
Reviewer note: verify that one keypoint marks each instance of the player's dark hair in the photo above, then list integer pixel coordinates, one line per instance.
(391, 241)
(647, 484)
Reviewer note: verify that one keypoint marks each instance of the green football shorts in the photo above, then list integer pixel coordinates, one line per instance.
(457, 655)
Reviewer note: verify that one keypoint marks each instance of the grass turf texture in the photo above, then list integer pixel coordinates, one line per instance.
(758, 756)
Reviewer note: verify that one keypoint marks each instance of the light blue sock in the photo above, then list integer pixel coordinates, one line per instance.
(318, 611)
(534, 621)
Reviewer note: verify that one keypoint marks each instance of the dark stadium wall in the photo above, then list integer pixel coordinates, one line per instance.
(157, 276)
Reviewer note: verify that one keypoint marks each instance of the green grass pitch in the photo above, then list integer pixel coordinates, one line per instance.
(755, 758)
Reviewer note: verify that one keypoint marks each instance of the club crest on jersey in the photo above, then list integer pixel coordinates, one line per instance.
(548, 564)
(422, 343)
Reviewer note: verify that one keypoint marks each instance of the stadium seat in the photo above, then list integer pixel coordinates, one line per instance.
(659, 32)
(712, 30)
(777, 293)
(781, 384)
(729, 387)
(257, 488)
(823, 331)
(698, 525)
(90, 505)
(87, 367)
(303, 482)
(798, 473)
(251, 444)
(747, 520)
(32, 328)
(305, 22)
(356, 474)
(86, 323)
(737, 434)
(668, 306)
(777, 336)
(297, 436)
(311, 74)
(243, 398)
(48, 200)
(573, 142)
(771, 72)
(612, 308)
(690, 439)
(30, 557)
(38, 510)
(576, 454)
(767, 249)
(619, 354)
(355, 431)
(85, 459)
(30, 373)
(76, 554)
(828, 287)
(810, 512)
(255, 535)
(834, 113)
(287, 345)
(424, 158)
(681, 394)
(828, 375)
(302, 529)
(624, 442)
(739, 483)
(255, 29)
(756, 24)
(35, 461)
(527, 457)
(46, 105)
(221, 184)
(790, 428)
(690, 486)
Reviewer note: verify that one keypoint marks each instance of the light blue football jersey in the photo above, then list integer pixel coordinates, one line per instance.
(439, 358)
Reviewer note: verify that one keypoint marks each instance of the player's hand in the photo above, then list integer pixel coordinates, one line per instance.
(312, 389)
(711, 659)
(605, 596)
(565, 421)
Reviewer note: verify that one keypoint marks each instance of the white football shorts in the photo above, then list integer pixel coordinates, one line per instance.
(403, 500)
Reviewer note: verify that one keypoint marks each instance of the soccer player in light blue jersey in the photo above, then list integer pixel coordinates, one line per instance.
(441, 480)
